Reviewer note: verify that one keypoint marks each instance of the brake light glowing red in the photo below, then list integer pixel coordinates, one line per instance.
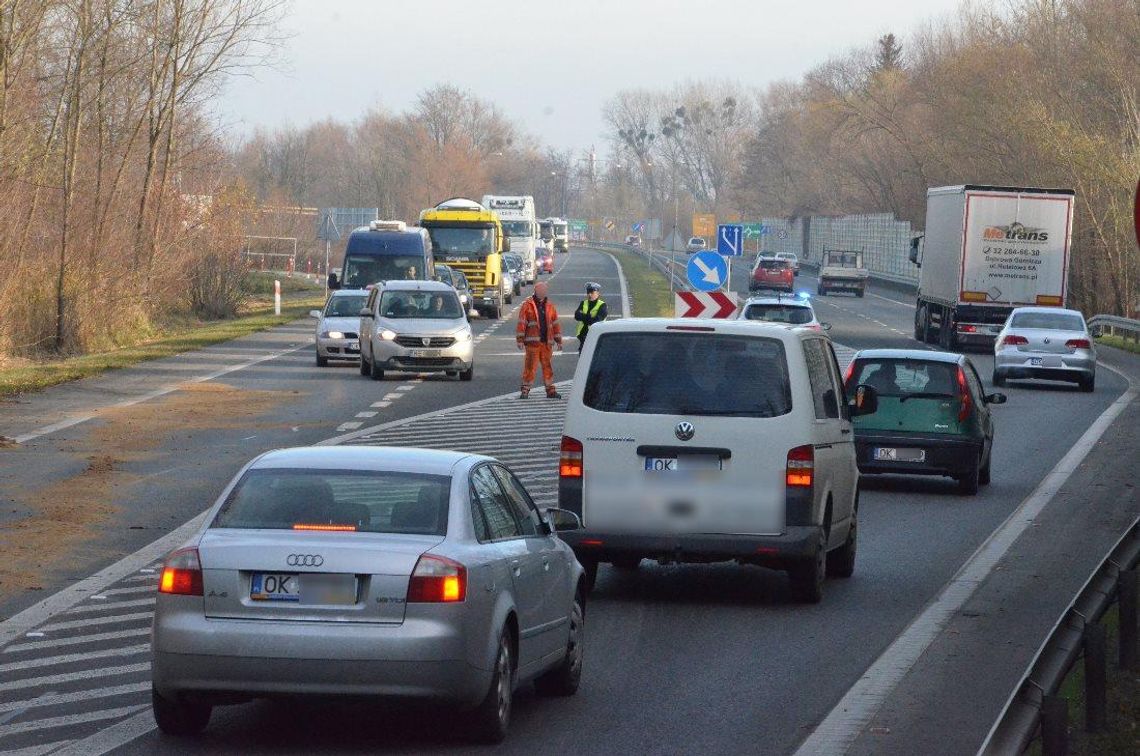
(1078, 344)
(967, 328)
(570, 458)
(848, 375)
(1013, 340)
(182, 574)
(437, 580)
(801, 467)
(324, 528)
(963, 396)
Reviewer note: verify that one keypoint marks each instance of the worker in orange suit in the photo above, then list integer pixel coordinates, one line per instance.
(538, 332)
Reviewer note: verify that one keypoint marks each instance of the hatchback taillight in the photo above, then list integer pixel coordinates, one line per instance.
(437, 580)
(570, 458)
(801, 467)
(1013, 340)
(1078, 344)
(963, 396)
(182, 573)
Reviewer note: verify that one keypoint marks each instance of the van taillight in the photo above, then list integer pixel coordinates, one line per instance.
(1078, 344)
(182, 573)
(801, 467)
(963, 396)
(570, 458)
(437, 580)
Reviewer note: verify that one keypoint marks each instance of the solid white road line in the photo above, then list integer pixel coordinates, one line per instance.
(39, 725)
(76, 420)
(850, 717)
(51, 661)
(87, 674)
(624, 290)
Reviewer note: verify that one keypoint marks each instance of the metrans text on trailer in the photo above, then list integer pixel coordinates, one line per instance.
(987, 250)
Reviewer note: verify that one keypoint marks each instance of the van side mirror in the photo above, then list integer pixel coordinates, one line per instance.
(315, 314)
(365, 312)
(866, 401)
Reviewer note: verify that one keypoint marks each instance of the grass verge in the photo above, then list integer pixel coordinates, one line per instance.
(648, 287)
(178, 337)
(1120, 343)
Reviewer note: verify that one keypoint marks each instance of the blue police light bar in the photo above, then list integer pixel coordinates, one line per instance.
(803, 295)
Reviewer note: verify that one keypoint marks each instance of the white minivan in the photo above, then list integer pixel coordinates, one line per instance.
(712, 440)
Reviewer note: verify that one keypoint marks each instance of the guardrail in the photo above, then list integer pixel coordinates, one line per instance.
(1034, 710)
(1130, 328)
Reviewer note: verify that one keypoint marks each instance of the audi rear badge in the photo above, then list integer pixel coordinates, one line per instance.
(304, 560)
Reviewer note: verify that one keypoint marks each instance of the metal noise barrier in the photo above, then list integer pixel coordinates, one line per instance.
(1018, 723)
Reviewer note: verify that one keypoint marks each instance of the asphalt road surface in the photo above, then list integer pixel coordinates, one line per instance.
(679, 659)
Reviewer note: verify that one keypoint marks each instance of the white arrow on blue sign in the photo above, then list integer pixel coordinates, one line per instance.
(707, 271)
(730, 239)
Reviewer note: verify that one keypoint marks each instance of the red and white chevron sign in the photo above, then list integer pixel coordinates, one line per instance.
(705, 304)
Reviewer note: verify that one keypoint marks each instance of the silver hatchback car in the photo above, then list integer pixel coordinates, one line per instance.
(1045, 342)
(415, 326)
(369, 571)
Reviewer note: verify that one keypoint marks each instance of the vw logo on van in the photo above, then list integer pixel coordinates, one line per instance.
(684, 430)
(304, 560)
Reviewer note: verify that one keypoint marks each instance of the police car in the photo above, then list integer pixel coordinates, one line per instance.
(793, 311)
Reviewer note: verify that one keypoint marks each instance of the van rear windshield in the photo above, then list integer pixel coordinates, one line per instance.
(338, 500)
(653, 373)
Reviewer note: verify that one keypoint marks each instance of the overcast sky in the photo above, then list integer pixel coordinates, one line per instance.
(550, 66)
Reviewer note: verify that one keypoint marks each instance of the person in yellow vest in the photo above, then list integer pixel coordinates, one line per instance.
(592, 310)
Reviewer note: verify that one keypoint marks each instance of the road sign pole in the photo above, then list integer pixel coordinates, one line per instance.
(328, 249)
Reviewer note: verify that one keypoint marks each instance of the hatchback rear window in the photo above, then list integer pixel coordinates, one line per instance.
(778, 313)
(899, 378)
(1052, 321)
(689, 374)
(338, 500)
(773, 265)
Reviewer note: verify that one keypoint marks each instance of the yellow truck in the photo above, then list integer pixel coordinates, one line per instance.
(469, 238)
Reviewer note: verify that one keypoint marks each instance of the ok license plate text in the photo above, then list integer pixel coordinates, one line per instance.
(673, 464)
(890, 454)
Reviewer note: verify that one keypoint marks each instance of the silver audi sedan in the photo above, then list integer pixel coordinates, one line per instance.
(1045, 342)
(369, 571)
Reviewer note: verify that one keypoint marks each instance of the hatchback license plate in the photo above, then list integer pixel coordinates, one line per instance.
(892, 454)
(425, 352)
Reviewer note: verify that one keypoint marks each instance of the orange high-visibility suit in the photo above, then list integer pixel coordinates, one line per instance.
(529, 334)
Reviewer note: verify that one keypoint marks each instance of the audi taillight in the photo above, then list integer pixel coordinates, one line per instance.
(801, 467)
(963, 396)
(437, 580)
(1078, 344)
(967, 328)
(570, 458)
(1013, 340)
(182, 573)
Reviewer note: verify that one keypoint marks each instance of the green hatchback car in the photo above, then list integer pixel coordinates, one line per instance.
(933, 416)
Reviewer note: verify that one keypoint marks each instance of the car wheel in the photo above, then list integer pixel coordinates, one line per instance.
(365, 366)
(841, 562)
(322, 361)
(807, 579)
(491, 718)
(998, 379)
(563, 680)
(969, 481)
(591, 568)
(984, 473)
(627, 564)
(374, 372)
(179, 717)
(468, 374)
(1088, 384)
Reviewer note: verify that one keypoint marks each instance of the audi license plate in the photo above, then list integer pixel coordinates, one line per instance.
(1036, 361)
(304, 589)
(890, 454)
(689, 462)
(425, 352)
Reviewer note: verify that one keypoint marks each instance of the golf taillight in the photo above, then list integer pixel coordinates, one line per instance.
(801, 467)
(963, 396)
(437, 580)
(570, 458)
(1078, 344)
(182, 573)
(1013, 340)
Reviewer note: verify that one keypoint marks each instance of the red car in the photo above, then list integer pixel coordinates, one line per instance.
(772, 273)
(546, 262)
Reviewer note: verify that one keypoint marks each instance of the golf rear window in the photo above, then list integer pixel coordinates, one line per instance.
(338, 500)
(695, 374)
(778, 313)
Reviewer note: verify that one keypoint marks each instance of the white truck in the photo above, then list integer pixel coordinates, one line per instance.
(520, 225)
(560, 233)
(842, 270)
(987, 250)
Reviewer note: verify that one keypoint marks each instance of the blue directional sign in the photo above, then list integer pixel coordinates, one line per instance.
(638, 227)
(730, 239)
(707, 271)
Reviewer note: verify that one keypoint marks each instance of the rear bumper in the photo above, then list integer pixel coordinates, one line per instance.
(1010, 363)
(950, 456)
(218, 658)
(760, 286)
(794, 546)
(852, 284)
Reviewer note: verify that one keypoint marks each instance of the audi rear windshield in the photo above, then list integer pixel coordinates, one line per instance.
(337, 501)
(691, 374)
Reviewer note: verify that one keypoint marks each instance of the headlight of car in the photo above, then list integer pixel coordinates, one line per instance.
(332, 335)
(387, 335)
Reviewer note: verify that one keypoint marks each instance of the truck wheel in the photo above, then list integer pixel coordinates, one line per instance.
(946, 331)
(919, 314)
(925, 325)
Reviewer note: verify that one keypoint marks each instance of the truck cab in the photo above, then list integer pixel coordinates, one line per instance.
(842, 270)
(517, 216)
(469, 238)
